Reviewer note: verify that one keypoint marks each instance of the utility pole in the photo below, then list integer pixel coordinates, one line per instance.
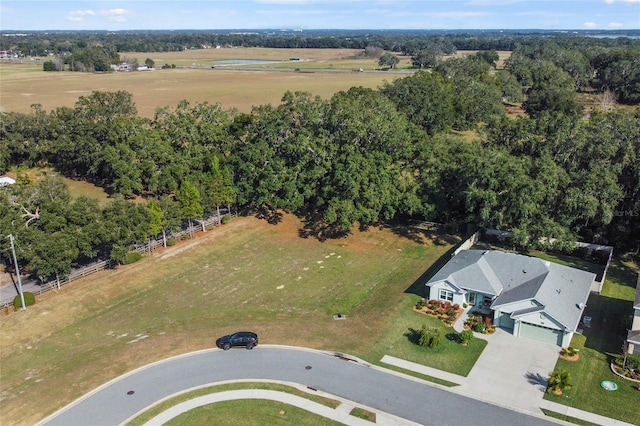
(15, 263)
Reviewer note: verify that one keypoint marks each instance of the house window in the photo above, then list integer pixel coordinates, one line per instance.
(446, 295)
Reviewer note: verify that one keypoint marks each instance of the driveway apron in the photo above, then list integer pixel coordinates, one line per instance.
(511, 371)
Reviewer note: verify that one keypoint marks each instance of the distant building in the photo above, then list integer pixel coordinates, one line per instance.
(7, 54)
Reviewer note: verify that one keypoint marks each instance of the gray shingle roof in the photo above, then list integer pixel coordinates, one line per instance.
(562, 290)
(633, 336)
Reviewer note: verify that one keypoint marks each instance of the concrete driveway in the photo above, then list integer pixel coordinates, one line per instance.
(512, 371)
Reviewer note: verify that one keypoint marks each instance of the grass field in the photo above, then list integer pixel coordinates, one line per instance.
(76, 187)
(250, 413)
(24, 84)
(154, 411)
(246, 274)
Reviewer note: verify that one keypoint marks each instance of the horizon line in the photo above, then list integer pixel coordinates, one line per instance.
(294, 30)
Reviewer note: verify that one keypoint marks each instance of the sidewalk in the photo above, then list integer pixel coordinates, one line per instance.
(582, 415)
(339, 414)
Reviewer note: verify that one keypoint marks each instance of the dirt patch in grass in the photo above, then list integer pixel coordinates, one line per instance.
(514, 110)
(571, 358)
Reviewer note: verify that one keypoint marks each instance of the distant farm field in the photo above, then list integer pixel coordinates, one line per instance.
(24, 84)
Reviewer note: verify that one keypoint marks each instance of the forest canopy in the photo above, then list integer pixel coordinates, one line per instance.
(362, 157)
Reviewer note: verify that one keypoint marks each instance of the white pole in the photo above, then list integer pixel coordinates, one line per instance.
(15, 263)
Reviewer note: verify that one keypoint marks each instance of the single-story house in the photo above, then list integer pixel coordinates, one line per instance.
(633, 336)
(533, 298)
(6, 181)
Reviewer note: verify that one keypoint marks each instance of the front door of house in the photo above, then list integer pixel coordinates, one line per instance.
(472, 299)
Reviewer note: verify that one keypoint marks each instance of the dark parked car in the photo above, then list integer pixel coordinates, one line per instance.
(241, 338)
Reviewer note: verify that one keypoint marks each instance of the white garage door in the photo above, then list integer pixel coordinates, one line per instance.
(543, 334)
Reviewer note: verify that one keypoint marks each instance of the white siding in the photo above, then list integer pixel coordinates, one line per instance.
(636, 320)
(542, 320)
(458, 295)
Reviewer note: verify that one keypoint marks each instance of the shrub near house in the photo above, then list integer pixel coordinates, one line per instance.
(444, 311)
(479, 324)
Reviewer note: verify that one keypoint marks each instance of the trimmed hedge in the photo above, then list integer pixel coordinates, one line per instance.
(29, 299)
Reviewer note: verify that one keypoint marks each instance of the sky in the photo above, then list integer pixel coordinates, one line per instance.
(319, 14)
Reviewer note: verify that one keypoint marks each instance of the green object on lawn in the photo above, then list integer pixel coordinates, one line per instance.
(609, 385)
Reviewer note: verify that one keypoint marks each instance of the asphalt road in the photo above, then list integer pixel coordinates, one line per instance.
(124, 397)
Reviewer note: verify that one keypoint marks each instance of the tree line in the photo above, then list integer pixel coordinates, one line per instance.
(41, 43)
(362, 157)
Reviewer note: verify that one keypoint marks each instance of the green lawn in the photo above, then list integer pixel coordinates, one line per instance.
(449, 356)
(568, 418)
(606, 336)
(154, 411)
(249, 412)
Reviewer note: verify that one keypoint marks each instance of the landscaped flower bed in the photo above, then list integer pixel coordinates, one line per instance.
(480, 324)
(444, 311)
(628, 371)
(569, 354)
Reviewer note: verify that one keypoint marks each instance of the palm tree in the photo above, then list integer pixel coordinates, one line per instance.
(559, 380)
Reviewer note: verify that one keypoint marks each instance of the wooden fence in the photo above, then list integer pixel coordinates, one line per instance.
(198, 226)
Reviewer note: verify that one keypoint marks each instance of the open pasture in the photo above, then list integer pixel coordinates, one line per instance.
(246, 274)
(24, 84)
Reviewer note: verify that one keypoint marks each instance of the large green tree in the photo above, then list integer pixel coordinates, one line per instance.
(388, 60)
(188, 197)
(426, 98)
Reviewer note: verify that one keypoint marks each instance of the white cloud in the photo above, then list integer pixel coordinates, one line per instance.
(615, 25)
(116, 12)
(590, 25)
(117, 15)
(114, 15)
(623, 1)
(82, 13)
